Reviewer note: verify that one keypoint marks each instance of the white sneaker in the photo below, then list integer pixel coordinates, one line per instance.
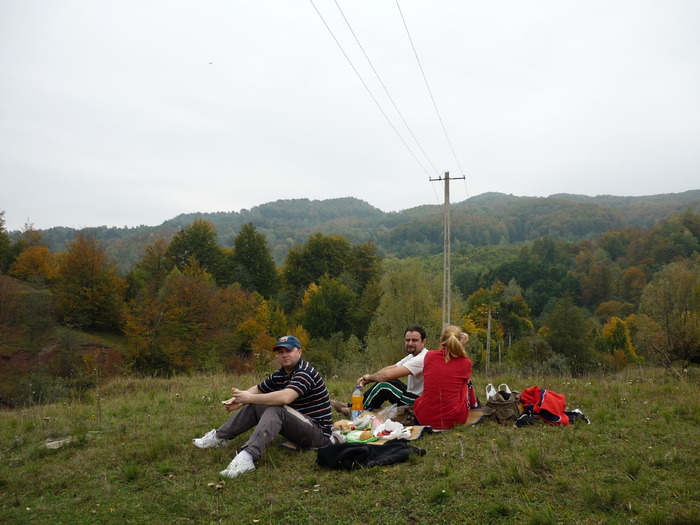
(209, 440)
(239, 465)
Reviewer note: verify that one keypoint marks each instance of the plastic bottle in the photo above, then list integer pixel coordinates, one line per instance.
(357, 403)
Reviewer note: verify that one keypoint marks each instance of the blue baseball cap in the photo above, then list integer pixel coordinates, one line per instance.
(287, 341)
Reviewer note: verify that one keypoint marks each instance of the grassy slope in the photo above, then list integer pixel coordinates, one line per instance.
(133, 462)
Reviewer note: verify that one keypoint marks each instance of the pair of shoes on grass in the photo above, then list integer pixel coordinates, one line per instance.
(242, 463)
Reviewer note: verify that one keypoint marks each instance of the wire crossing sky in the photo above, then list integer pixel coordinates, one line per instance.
(128, 113)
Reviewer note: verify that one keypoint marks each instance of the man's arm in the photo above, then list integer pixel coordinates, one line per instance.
(385, 374)
(232, 404)
(254, 396)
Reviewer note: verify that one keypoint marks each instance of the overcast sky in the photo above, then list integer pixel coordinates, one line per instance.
(123, 113)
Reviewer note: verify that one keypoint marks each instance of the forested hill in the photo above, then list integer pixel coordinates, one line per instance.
(487, 219)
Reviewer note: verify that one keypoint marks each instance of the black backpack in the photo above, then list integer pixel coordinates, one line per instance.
(350, 456)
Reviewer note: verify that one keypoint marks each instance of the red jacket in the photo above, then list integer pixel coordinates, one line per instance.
(548, 405)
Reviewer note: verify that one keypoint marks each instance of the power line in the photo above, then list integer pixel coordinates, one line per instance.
(368, 90)
(449, 142)
(429, 90)
(385, 88)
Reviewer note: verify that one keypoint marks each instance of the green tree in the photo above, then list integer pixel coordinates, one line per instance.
(150, 272)
(330, 256)
(407, 299)
(514, 316)
(569, 332)
(198, 242)
(327, 308)
(321, 255)
(600, 281)
(364, 264)
(5, 245)
(672, 239)
(364, 309)
(253, 266)
(672, 299)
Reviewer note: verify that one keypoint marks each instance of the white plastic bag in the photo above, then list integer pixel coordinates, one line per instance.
(395, 429)
(490, 391)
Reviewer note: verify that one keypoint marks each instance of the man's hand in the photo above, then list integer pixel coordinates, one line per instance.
(362, 381)
(231, 404)
(242, 397)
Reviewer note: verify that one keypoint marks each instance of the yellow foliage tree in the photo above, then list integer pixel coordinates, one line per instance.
(35, 262)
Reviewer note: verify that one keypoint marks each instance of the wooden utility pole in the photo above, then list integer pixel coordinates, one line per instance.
(488, 342)
(446, 276)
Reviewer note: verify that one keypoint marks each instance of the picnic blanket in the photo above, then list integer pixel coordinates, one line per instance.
(475, 415)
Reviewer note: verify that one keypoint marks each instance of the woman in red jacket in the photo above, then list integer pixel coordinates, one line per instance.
(444, 402)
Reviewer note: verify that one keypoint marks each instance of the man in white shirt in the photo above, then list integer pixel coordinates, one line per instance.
(387, 383)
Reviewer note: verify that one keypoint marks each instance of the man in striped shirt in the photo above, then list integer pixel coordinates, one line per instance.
(293, 402)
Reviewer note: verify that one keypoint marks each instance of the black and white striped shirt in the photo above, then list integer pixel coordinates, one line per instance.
(313, 401)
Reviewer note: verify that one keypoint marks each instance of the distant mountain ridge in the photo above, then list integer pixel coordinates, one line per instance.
(486, 219)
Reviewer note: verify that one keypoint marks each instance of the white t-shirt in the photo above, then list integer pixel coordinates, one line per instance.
(415, 366)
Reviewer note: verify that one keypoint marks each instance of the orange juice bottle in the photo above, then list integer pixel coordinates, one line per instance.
(357, 403)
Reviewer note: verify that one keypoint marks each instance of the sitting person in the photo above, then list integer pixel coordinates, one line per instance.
(293, 402)
(387, 384)
(444, 402)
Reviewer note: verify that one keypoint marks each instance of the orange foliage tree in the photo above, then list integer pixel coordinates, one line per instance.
(192, 324)
(89, 292)
(35, 262)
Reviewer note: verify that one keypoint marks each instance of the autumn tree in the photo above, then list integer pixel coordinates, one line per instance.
(484, 304)
(633, 281)
(35, 263)
(89, 293)
(615, 343)
(191, 324)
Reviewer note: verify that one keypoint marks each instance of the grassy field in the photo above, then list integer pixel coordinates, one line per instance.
(131, 461)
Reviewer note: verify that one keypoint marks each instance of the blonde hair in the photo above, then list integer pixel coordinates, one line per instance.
(450, 342)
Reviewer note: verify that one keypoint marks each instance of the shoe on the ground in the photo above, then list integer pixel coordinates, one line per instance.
(525, 419)
(209, 440)
(341, 408)
(580, 415)
(239, 465)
